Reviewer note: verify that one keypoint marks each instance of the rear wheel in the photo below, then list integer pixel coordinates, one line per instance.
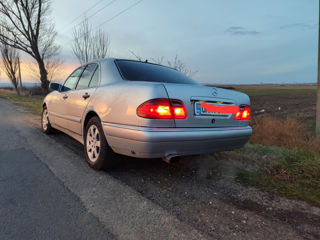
(97, 151)
(45, 122)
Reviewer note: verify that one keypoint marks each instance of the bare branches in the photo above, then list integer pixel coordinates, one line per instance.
(25, 25)
(176, 63)
(181, 67)
(88, 45)
(53, 67)
(81, 41)
(100, 45)
(10, 64)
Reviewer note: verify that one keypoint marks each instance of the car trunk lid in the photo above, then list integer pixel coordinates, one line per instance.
(193, 95)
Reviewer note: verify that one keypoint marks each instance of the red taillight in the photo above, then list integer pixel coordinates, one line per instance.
(246, 113)
(178, 109)
(162, 108)
(243, 114)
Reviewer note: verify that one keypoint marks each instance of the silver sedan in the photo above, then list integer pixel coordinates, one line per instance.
(144, 110)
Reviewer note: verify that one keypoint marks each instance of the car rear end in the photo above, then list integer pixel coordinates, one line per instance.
(179, 118)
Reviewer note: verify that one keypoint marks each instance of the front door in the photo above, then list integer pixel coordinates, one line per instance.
(57, 109)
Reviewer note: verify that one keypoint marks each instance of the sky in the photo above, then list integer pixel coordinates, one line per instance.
(224, 42)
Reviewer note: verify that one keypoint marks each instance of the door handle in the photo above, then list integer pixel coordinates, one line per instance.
(65, 96)
(86, 95)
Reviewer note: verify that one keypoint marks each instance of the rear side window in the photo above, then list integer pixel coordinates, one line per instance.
(95, 79)
(72, 80)
(86, 76)
(140, 71)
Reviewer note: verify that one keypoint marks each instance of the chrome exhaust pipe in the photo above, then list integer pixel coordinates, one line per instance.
(171, 158)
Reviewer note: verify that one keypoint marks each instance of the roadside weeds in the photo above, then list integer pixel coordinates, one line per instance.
(282, 171)
(32, 103)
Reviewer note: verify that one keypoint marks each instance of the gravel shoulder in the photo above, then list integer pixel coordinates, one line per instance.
(195, 198)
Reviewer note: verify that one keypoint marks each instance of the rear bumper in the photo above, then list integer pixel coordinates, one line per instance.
(144, 142)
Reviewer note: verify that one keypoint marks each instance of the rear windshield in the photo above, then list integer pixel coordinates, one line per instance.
(147, 72)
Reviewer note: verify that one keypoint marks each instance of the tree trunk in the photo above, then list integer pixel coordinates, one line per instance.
(20, 81)
(15, 84)
(17, 90)
(43, 77)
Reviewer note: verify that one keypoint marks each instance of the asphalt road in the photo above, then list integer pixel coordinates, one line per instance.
(47, 191)
(36, 205)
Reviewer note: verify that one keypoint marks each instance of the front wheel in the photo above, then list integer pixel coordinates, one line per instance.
(45, 122)
(97, 151)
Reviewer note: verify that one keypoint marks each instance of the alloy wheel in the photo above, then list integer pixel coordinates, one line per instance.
(93, 143)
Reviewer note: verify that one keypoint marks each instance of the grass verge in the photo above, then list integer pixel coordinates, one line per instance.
(32, 103)
(283, 172)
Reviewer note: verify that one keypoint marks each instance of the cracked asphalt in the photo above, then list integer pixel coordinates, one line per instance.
(49, 192)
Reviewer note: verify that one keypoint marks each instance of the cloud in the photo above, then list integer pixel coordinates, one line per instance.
(237, 30)
(298, 26)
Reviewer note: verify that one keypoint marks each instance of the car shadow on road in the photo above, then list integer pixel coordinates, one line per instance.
(123, 163)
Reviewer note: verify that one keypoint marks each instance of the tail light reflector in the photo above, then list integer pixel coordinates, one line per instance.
(162, 108)
(243, 114)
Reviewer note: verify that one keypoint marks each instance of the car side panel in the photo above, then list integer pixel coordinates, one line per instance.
(54, 102)
(75, 106)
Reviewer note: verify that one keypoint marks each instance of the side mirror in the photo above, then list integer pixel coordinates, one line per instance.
(55, 86)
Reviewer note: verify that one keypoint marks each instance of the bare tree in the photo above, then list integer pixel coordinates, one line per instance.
(10, 64)
(25, 25)
(176, 63)
(87, 44)
(100, 45)
(53, 67)
(181, 67)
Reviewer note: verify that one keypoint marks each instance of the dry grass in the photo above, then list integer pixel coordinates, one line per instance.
(288, 133)
(32, 103)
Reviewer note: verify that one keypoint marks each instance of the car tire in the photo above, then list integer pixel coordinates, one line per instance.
(45, 122)
(98, 153)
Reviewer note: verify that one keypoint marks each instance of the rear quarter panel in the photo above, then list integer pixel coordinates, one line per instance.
(118, 102)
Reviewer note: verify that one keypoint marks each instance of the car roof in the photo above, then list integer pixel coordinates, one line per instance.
(109, 60)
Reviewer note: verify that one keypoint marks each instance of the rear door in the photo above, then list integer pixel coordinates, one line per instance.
(79, 98)
(193, 95)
